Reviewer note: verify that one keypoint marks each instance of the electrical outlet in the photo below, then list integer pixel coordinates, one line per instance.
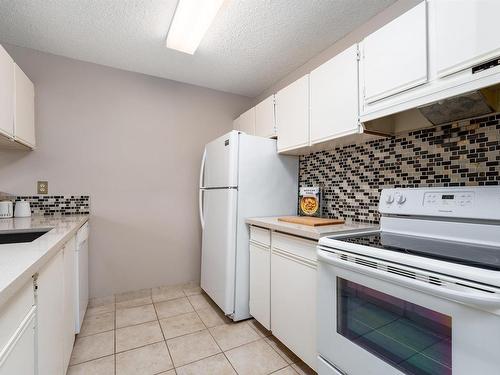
(42, 187)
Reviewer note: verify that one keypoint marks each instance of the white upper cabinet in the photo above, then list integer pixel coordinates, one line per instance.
(24, 120)
(6, 94)
(236, 124)
(292, 115)
(466, 33)
(265, 125)
(247, 122)
(395, 56)
(334, 97)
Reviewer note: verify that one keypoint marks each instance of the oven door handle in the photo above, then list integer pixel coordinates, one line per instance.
(469, 296)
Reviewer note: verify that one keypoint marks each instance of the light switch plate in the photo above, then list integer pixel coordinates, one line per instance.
(42, 187)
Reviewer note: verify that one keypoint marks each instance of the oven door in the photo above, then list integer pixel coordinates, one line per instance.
(381, 320)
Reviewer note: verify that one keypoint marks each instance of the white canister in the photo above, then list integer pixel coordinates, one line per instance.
(22, 209)
(5, 209)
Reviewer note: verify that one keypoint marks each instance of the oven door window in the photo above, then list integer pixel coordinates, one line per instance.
(412, 338)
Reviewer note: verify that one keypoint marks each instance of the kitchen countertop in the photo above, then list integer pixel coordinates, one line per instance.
(20, 261)
(313, 233)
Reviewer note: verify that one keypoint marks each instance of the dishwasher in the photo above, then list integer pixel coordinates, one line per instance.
(81, 274)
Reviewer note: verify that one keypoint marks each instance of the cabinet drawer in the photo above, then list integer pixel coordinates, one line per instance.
(296, 246)
(13, 312)
(260, 235)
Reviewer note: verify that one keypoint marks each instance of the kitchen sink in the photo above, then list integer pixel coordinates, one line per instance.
(21, 236)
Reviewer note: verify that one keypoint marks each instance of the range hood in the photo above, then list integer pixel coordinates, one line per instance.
(461, 107)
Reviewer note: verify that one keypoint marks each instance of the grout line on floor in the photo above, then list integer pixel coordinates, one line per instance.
(213, 338)
(164, 339)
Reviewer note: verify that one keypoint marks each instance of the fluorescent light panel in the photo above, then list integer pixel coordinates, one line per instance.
(191, 21)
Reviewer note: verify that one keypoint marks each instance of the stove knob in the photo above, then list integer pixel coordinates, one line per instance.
(389, 199)
(401, 199)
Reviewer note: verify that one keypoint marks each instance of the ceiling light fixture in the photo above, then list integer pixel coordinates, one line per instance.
(191, 21)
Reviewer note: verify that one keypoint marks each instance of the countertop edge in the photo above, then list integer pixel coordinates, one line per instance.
(305, 231)
(11, 289)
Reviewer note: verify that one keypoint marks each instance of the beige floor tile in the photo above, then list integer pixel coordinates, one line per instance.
(200, 301)
(99, 301)
(259, 328)
(181, 325)
(101, 366)
(97, 323)
(120, 297)
(286, 371)
(135, 315)
(255, 358)
(231, 335)
(216, 365)
(303, 369)
(102, 309)
(213, 316)
(93, 347)
(169, 372)
(174, 307)
(139, 335)
(192, 288)
(167, 293)
(147, 360)
(192, 347)
(282, 350)
(134, 302)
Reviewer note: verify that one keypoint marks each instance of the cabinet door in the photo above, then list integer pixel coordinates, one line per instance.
(260, 284)
(395, 56)
(69, 300)
(50, 311)
(292, 115)
(293, 305)
(265, 125)
(20, 358)
(6, 93)
(247, 122)
(466, 33)
(334, 97)
(24, 120)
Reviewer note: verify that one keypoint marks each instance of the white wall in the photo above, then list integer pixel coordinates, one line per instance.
(134, 143)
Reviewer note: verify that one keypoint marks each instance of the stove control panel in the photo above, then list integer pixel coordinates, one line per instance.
(476, 202)
(449, 199)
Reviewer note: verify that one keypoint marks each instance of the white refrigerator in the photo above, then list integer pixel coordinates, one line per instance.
(241, 176)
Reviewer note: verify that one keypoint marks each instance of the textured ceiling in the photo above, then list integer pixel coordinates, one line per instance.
(250, 45)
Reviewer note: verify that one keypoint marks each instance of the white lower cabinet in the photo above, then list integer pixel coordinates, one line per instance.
(17, 333)
(50, 313)
(69, 305)
(293, 295)
(260, 283)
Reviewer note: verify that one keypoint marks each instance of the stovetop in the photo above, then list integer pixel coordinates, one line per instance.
(469, 254)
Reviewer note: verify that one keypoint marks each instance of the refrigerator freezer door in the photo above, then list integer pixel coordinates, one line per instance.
(218, 246)
(221, 162)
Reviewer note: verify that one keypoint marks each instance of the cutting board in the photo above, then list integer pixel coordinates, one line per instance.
(311, 221)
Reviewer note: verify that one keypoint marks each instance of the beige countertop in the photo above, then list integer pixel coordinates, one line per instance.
(313, 233)
(20, 261)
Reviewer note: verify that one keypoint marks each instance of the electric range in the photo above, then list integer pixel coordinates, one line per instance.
(419, 296)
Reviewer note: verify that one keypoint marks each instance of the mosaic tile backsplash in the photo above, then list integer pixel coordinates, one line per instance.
(52, 205)
(460, 154)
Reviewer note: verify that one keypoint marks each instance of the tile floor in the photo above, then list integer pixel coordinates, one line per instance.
(174, 330)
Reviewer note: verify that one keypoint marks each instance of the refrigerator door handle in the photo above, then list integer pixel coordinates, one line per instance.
(200, 197)
(202, 221)
(202, 168)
